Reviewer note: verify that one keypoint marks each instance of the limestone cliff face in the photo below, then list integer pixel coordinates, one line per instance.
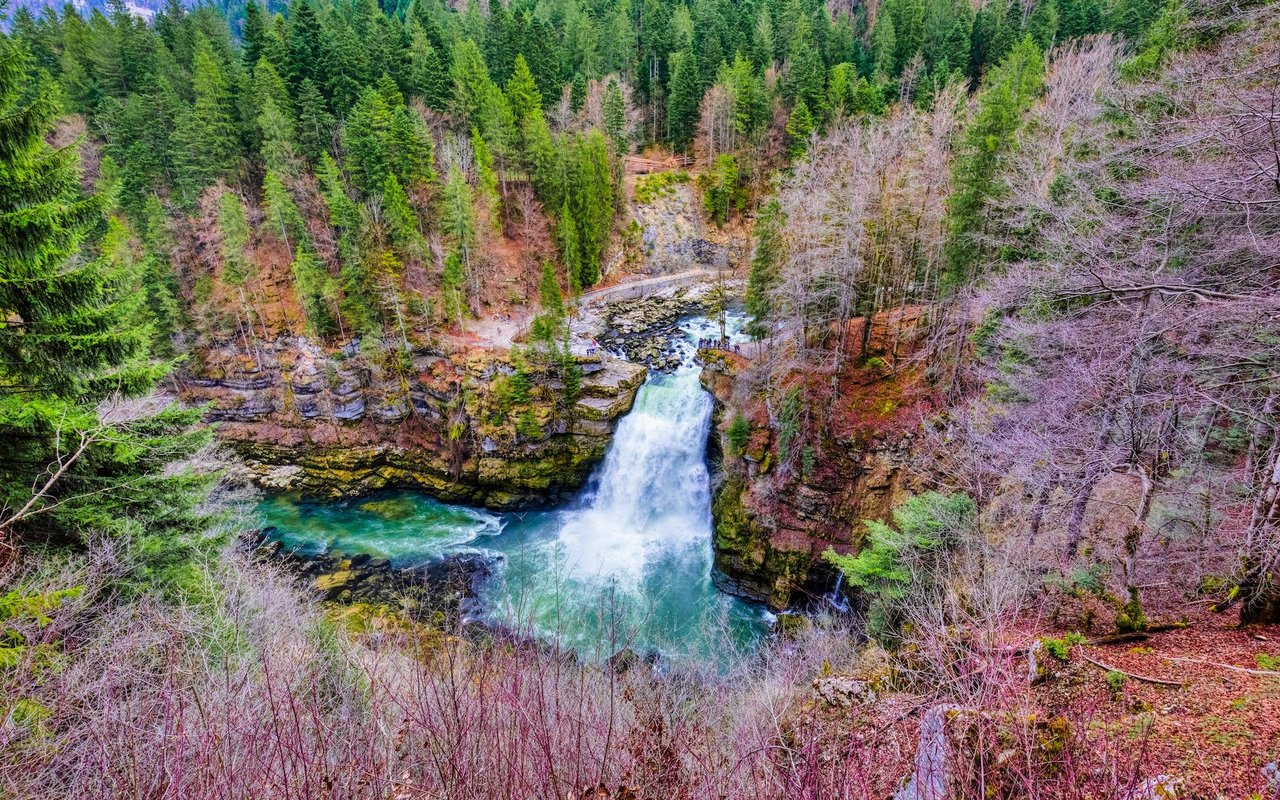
(476, 426)
(770, 529)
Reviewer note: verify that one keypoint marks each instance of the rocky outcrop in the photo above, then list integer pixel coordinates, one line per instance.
(771, 530)
(673, 235)
(485, 427)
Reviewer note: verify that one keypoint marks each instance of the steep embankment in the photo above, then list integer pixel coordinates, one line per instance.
(777, 511)
(486, 427)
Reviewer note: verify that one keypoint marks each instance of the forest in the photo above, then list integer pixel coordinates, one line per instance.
(992, 402)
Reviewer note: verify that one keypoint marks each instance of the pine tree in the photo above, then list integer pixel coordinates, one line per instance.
(684, 96)
(453, 288)
(522, 91)
(78, 462)
(402, 223)
(766, 268)
(1008, 91)
(614, 111)
(315, 123)
(208, 146)
(799, 128)
(570, 248)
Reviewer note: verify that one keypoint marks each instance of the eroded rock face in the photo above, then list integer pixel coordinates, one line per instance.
(770, 533)
(479, 427)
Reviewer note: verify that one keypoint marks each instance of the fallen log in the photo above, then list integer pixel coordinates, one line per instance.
(1134, 675)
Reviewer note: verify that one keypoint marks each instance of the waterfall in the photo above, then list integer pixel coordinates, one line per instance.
(652, 493)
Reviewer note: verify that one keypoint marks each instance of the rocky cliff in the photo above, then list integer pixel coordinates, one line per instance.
(772, 525)
(485, 427)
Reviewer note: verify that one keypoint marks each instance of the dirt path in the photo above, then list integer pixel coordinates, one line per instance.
(499, 332)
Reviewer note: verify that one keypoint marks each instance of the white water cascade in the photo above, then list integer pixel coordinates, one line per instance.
(632, 558)
(652, 493)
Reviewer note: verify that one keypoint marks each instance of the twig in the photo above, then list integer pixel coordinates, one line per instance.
(1266, 673)
(1136, 677)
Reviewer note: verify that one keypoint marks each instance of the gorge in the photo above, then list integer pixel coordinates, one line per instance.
(626, 564)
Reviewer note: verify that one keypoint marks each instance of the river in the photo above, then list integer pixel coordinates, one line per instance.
(627, 564)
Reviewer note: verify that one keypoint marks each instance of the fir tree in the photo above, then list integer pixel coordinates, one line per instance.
(766, 268)
(343, 213)
(487, 179)
(684, 96)
(315, 124)
(570, 247)
(1009, 90)
(615, 112)
(283, 216)
(315, 291)
(208, 146)
(522, 91)
(799, 128)
(402, 223)
(78, 462)
(577, 92)
(453, 288)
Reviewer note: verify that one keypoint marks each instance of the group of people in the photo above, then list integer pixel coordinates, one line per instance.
(712, 343)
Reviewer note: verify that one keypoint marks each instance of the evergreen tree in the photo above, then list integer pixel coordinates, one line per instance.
(315, 291)
(908, 28)
(570, 247)
(884, 44)
(254, 34)
(453, 288)
(471, 83)
(487, 179)
(76, 336)
(343, 213)
(766, 268)
(593, 201)
(234, 227)
(684, 96)
(806, 76)
(615, 112)
(1042, 26)
(402, 223)
(428, 75)
(283, 216)
(577, 92)
(1009, 90)
(799, 128)
(207, 142)
(458, 213)
(315, 124)
(522, 91)
(549, 325)
(364, 140)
